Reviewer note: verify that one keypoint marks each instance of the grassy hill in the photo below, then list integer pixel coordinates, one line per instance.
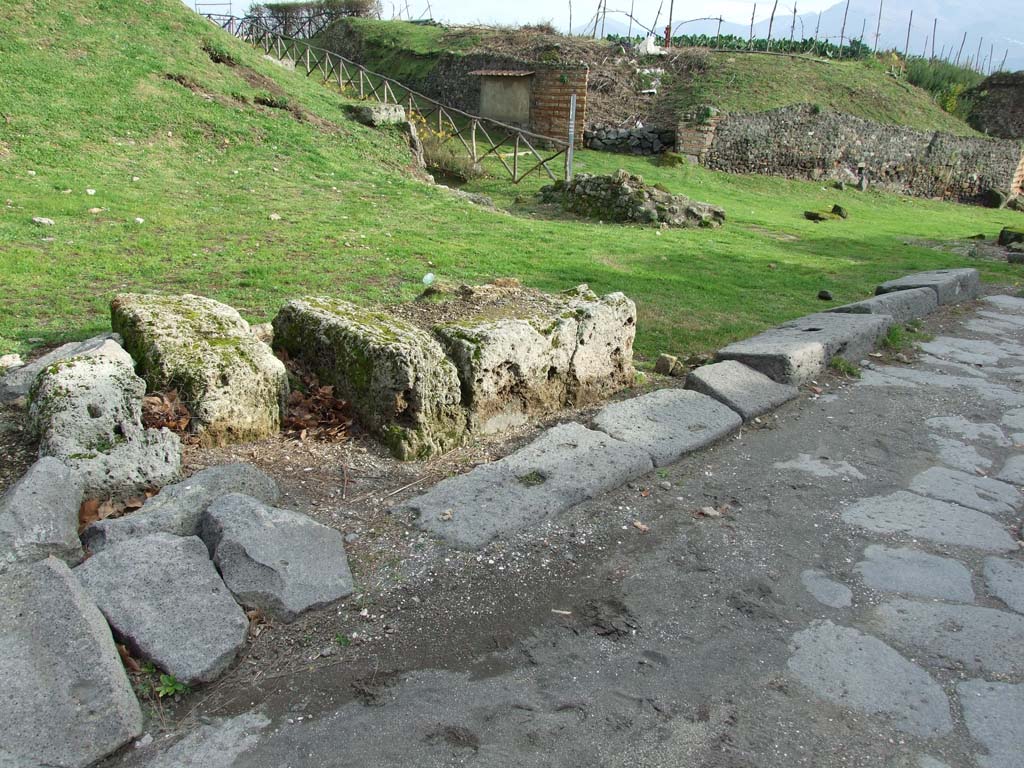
(732, 82)
(124, 97)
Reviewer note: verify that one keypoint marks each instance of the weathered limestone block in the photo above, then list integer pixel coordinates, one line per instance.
(235, 387)
(603, 361)
(395, 375)
(66, 699)
(376, 115)
(87, 411)
(17, 383)
(276, 560)
(39, 515)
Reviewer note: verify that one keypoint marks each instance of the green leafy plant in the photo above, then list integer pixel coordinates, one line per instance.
(169, 685)
(343, 640)
(844, 367)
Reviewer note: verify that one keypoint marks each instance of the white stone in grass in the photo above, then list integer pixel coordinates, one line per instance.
(90, 192)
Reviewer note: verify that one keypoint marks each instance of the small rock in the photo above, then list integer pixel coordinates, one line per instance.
(90, 192)
(31, 173)
(665, 485)
(145, 741)
(42, 221)
(841, 212)
(275, 217)
(9, 362)
(351, 538)
(666, 364)
(825, 295)
(139, 220)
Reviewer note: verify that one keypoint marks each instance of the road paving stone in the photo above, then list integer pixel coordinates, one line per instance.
(1005, 579)
(910, 571)
(825, 590)
(984, 494)
(994, 713)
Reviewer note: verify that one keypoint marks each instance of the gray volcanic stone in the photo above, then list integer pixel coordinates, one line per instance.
(87, 411)
(376, 115)
(217, 743)
(940, 521)
(978, 639)
(18, 382)
(564, 466)
(163, 596)
(1013, 470)
(1006, 303)
(39, 515)
(951, 286)
(825, 590)
(668, 423)
(902, 306)
(395, 375)
(1005, 579)
(66, 698)
(748, 392)
(178, 508)
(278, 561)
(855, 670)
(994, 713)
(968, 490)
(800, 350)
(913, 572)
(234, 385)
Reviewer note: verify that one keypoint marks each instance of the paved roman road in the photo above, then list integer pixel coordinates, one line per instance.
(854, 598)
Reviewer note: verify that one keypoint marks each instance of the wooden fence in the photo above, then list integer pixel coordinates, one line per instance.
(481, 138)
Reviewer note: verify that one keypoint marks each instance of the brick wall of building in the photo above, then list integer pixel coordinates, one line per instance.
(549, 102)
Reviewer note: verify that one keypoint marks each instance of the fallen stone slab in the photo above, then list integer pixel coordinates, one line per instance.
(1004, 579)
(566, 465)
(968, 490)
(910, 571)
(66, 698)
(851, 669)
(163, 597)
(980, 640)
(17, 383)
(951, 286)
(902, 306)
(39, 515)
(235, 387)
(668, 423)
(217, 743)
(746, 391)
(994, 713)
(87, 412)
(278, 561)
(941, 521)
(800, 350)
(1013, 470)
(396, 376)
(825, 590)
(178, 509)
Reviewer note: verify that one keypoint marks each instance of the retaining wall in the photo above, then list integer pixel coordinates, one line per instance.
(631, 141)
(999, 105)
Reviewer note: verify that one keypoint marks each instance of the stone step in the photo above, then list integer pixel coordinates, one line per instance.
(902, 306)
(748, 392)
(951, 286)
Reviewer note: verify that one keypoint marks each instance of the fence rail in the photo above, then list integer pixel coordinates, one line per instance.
(480, 137)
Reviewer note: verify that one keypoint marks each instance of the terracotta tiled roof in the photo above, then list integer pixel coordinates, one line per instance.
(501, 73)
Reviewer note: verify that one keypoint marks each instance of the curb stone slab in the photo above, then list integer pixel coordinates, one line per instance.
(994, 713)
(278, 561)
(951, 286)
(66, 698)
(1005, 579)
(852, 669)
(902, 306)
(939, 521)
(981, 640)
(39, 515)
(913, 572)
(18, 382)
(178, 508)
(968, 490)
(748, 392)
(163, 596)
(668, 424)
(800, 350)
(825, 590)
(566, 465)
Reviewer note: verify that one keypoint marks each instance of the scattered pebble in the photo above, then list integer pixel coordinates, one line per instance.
(275, 217)
(139, 220)
(31, 173)
(665, 485)
(351, 538)
(42, 221)
(90, 192)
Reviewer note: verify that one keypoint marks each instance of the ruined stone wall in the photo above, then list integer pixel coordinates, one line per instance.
(630, 141)
(999, 105)
(1018, 179)
(804, 142)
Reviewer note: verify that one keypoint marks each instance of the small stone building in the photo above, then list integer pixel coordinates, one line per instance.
(536, 100)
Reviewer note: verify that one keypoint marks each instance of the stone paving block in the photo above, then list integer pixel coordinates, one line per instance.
(66, 700)
(941, 521)
(980, 640)
(855, 670)
(39, 515)
(994, 713)
(910, 571)
(800, 350)
(971, 431)
(959, 455)
(276, 560)
(1006, 303)
(976, 352)
(1005, 579)
(163, 596)
(563, 467)
(217, 743)
(968, 490)
(902, 306)
(951, 286)
(821, 467)
(748, 392)
(668, 423)
(178, 508)
(1013, 470)
(825, 590)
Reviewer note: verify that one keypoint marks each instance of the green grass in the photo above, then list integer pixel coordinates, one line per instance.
(86, 104)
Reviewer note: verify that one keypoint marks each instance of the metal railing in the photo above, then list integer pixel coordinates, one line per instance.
(480, 137)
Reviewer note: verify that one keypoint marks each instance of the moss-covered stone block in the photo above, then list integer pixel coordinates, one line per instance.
(233, 384)
(396, 375)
